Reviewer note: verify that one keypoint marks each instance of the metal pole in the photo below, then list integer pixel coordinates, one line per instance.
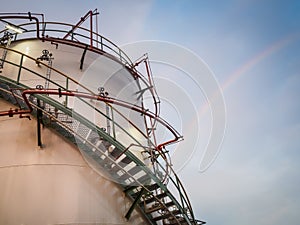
(19, 73)
(113, 122)
(67, 88)
(107, 119)
(91, 25)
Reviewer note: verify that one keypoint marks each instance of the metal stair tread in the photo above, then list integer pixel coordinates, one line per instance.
(159, 206)
(126, 160)
(116, 152)
(159, 196)
(167, 215)
(130, 173)
(141, 181)
(152, 187)
(182, 221)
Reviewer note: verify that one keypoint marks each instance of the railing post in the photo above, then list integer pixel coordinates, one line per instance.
(20, 68)
(113, 122)
(107, 119)
(91, 28)
(67, 88)
(44, 29)
(39, 115)
(72, 36)
(101, 43)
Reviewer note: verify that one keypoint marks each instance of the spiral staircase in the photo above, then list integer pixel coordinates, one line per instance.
(155, 189)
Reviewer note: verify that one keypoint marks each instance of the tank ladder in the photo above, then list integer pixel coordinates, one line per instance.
(46, 56)
(48, 74)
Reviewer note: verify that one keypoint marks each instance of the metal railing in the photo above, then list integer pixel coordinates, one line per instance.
(42, 30)
(184, 206)
(55, 31)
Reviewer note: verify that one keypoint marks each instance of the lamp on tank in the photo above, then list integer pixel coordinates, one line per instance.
(13, 28)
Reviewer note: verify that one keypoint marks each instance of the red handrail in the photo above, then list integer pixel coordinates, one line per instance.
(109, 100)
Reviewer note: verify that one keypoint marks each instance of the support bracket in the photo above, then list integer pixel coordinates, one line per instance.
(135, 202)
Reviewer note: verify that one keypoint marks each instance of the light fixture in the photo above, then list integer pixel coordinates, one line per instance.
(16, 29)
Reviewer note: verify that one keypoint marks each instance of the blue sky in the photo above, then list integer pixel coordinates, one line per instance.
(253, 48)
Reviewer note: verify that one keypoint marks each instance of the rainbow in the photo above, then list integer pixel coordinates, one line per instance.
(278, 45)
(239, 72)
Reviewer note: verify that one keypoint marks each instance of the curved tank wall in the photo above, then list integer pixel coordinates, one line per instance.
(53, 185)
(56, 185)
(98, 71)
(96, 103)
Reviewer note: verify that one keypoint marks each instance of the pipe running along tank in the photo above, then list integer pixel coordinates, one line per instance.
(78, 140)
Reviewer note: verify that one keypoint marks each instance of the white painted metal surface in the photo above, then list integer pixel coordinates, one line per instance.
(53, 185)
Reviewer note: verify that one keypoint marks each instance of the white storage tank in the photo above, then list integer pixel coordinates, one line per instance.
(77, 141)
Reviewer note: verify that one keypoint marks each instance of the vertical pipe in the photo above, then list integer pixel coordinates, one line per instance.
(97, 32)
